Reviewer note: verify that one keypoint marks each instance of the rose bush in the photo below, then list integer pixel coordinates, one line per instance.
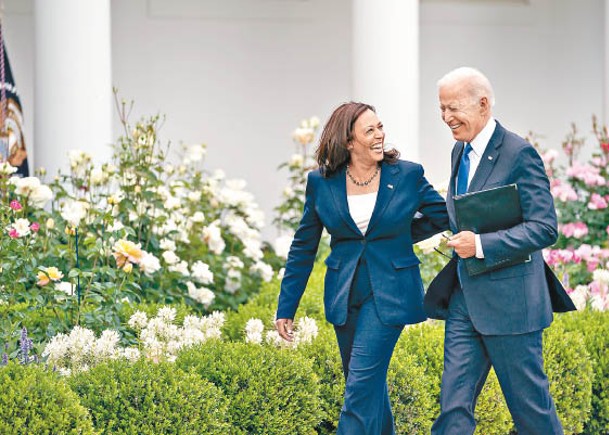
(581, 194)
(151, 225)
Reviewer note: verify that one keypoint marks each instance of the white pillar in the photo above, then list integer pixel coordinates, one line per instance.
(73, 81)
(606, 75)
(385, 57)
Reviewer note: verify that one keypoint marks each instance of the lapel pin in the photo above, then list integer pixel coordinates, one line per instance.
(390, 186)
(490, 157)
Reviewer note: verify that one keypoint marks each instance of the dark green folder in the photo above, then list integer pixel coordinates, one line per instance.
(487, 211)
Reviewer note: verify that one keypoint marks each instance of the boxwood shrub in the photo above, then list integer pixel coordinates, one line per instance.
(594, 327)
(34, 400)
(324, 353)
(271, 390)
(425, 342)
(148, 398)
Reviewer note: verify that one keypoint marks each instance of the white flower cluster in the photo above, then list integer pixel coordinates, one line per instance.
(161, 339)
(203, 295)
(37, 193)
(212, 235)
(282, 245)
(75, 211)
(264, 270)
(193, 154)
(233, 268)
(79, 162)
(305, 133)
(79, 350)
(305, 331)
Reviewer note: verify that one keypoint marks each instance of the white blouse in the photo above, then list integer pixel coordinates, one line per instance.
(361, 207)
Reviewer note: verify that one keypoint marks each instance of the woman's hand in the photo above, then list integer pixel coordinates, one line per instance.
(284, 328)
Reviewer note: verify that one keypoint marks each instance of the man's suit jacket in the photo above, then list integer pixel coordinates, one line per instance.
(516, 299)
(387, 245)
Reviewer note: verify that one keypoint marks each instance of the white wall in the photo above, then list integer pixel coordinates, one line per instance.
(545, 59)
(239, 75)
(241, 84)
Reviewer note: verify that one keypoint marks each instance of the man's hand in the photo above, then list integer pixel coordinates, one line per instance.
(464, 244)
(285, 329)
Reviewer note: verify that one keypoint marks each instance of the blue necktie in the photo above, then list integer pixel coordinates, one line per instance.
(462, 177)
(463, 174)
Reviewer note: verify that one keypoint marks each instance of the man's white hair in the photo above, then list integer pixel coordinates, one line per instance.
(477, 83)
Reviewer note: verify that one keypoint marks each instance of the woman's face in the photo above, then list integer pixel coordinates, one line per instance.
(368, 138)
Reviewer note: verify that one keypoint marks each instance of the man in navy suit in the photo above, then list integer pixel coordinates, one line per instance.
(497, 318)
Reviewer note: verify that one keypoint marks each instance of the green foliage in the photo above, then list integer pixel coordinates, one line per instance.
(125, 311)
(431, 261)
(425, 342)
(492, 414)
(570, 372)
(594, 327)
(290, 210)
(272, 391)
(580, 195)
(263, 306)
(146, 398)
(39, 323)
(411, 400)
(36, 401)
(134, 229)
(328, 366)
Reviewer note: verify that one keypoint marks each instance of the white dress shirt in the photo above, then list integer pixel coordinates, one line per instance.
(361, 208)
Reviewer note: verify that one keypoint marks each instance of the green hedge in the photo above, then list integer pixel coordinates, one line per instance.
(567, 363)
(328, 367)
(271, 391)
(594, 328)
(425, 342)
(238, 388)
(148, 398)
(33, 400)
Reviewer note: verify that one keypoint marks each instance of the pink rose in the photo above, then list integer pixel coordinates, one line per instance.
(15, 205)
(597, 202)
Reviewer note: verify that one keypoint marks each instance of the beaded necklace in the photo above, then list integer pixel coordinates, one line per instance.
(362, 183)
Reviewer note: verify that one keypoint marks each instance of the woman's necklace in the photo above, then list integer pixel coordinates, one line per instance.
(363, 183)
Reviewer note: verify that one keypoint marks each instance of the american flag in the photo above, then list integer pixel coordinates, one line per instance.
(12, 142)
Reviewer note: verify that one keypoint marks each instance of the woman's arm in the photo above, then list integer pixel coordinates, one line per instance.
(302, 254)
(432, 207)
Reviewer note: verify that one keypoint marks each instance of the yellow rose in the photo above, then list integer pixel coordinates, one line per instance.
(48, 274)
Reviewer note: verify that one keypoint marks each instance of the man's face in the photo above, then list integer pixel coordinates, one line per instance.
(465, 115)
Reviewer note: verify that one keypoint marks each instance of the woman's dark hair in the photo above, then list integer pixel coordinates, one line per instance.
(332, 153)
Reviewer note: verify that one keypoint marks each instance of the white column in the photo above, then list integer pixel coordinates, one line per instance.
(73, 81)
(385, 57)
(606, 75)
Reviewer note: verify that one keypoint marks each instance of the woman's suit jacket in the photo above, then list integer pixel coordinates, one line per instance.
(386, 246)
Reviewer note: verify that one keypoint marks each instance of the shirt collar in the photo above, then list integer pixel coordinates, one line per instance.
(482, 139)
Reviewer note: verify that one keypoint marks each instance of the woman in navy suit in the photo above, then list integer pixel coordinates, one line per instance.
(367, 200)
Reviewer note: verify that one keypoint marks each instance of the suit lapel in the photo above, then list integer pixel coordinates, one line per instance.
(387, 186)
(456, 158)
(487, 161)
(338, 187)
